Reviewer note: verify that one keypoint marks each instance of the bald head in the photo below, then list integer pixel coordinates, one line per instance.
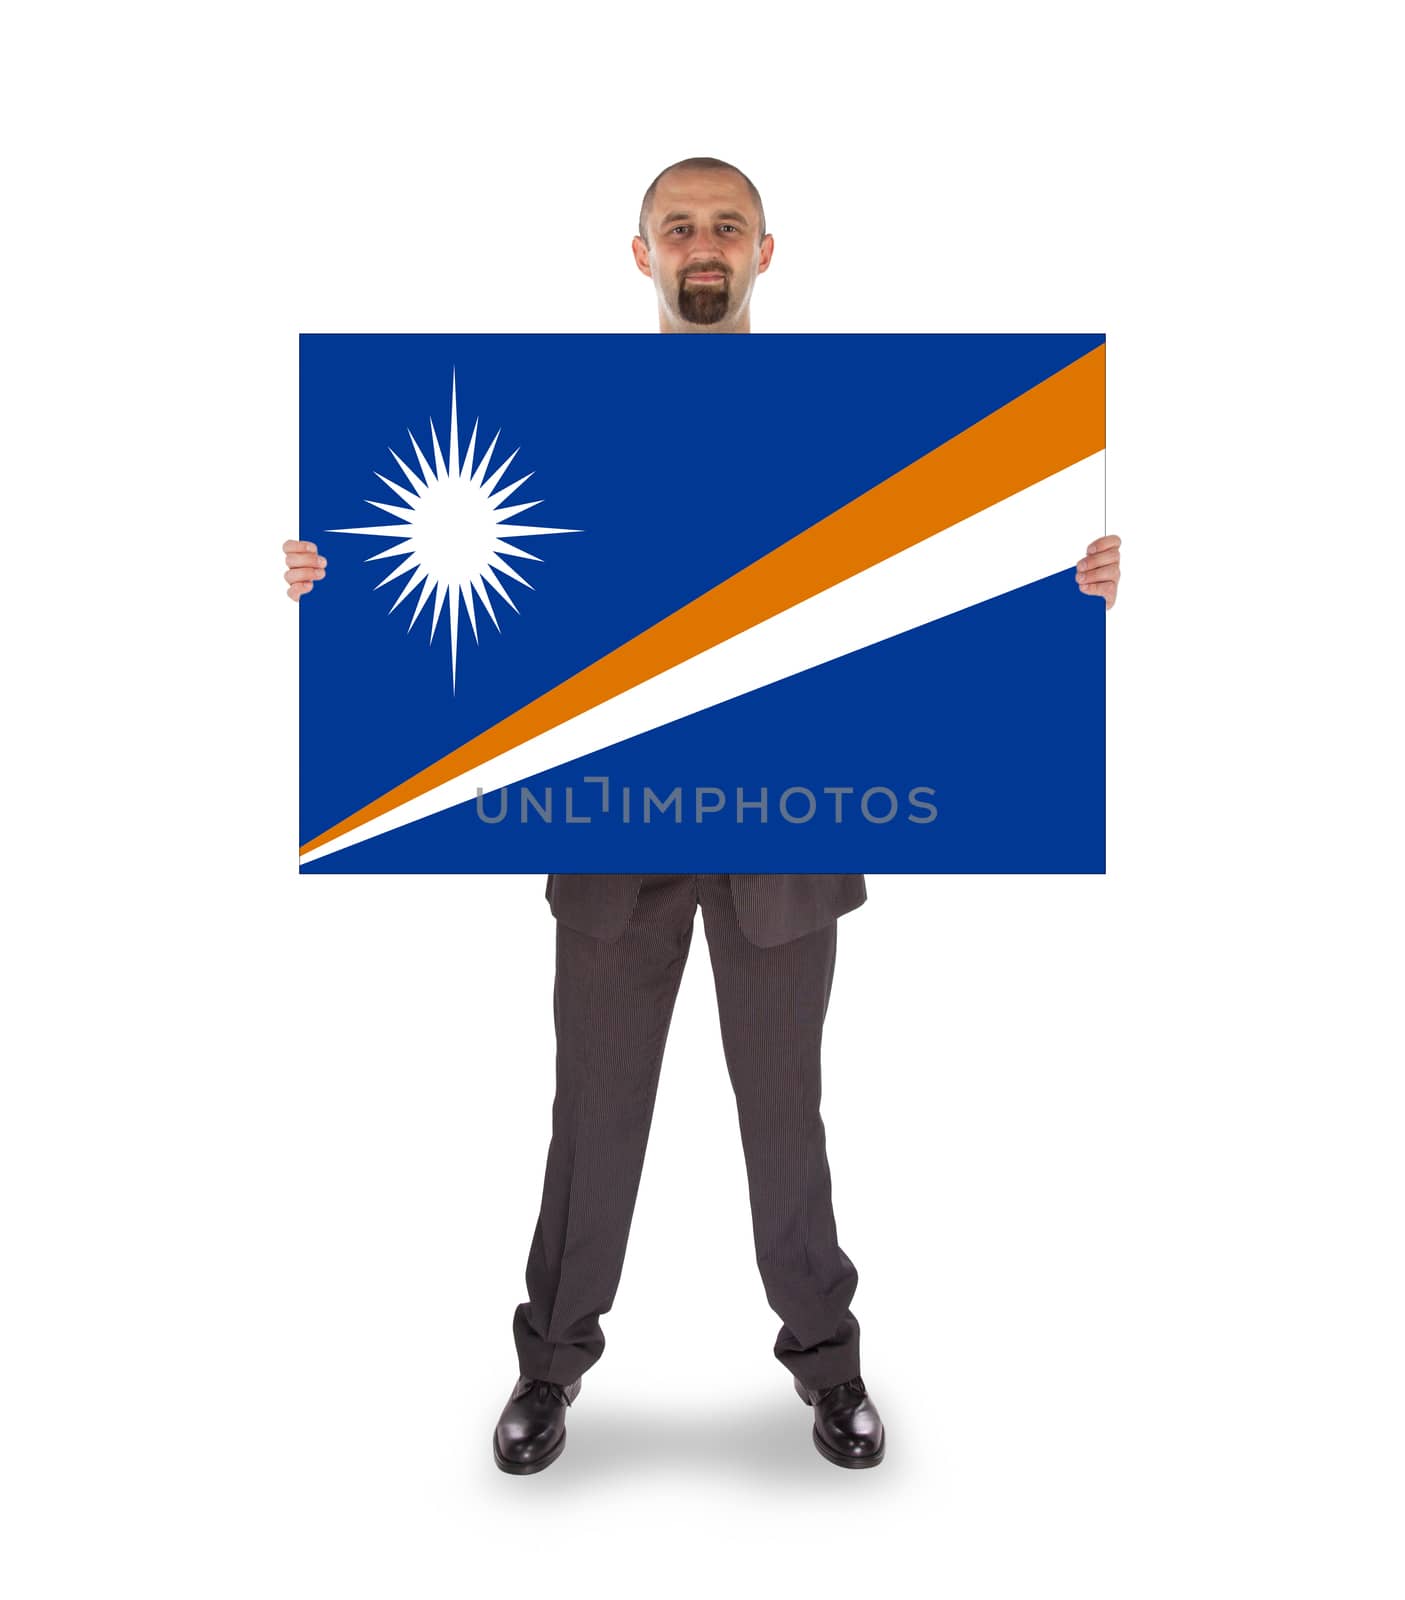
(700, 164)
(702, 239)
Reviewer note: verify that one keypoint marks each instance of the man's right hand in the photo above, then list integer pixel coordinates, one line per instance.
(305, 566)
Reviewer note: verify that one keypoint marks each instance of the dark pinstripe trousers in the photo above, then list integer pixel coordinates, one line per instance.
(613, 1003)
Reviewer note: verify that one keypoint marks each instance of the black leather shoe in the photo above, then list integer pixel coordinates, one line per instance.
(531, 1431)
(848, 1429)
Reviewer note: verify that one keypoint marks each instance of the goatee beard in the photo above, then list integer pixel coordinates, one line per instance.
(706, 304)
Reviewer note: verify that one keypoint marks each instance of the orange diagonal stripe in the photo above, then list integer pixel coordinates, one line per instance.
(1047, 428)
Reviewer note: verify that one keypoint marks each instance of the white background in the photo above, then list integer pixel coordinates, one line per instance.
(1118, 1160)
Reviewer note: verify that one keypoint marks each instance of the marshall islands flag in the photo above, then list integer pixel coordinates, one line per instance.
(630, 603)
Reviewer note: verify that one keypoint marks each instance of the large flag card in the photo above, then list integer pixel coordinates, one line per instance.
(631, 603)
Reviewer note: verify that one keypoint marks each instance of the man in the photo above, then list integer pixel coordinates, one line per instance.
(621, 945)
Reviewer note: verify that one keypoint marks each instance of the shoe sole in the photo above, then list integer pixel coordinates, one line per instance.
(521, 1468)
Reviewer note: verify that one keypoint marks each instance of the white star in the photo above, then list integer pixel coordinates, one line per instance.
(452, 546)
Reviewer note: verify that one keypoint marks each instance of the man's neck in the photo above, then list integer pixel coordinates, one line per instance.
(741, 326)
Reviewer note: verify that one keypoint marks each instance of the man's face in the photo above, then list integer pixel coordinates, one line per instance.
(704, 249)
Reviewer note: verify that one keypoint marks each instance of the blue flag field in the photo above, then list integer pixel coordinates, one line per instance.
(629, 603)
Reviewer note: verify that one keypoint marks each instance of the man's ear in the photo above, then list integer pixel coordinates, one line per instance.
(768, 244)
(641, 256)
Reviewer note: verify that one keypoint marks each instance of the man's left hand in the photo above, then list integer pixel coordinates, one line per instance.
(1100, 570)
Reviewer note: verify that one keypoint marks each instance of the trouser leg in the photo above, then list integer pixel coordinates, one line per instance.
(613, 1003)
(772, 1005)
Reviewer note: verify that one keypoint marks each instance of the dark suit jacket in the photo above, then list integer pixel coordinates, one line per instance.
(772, 908)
